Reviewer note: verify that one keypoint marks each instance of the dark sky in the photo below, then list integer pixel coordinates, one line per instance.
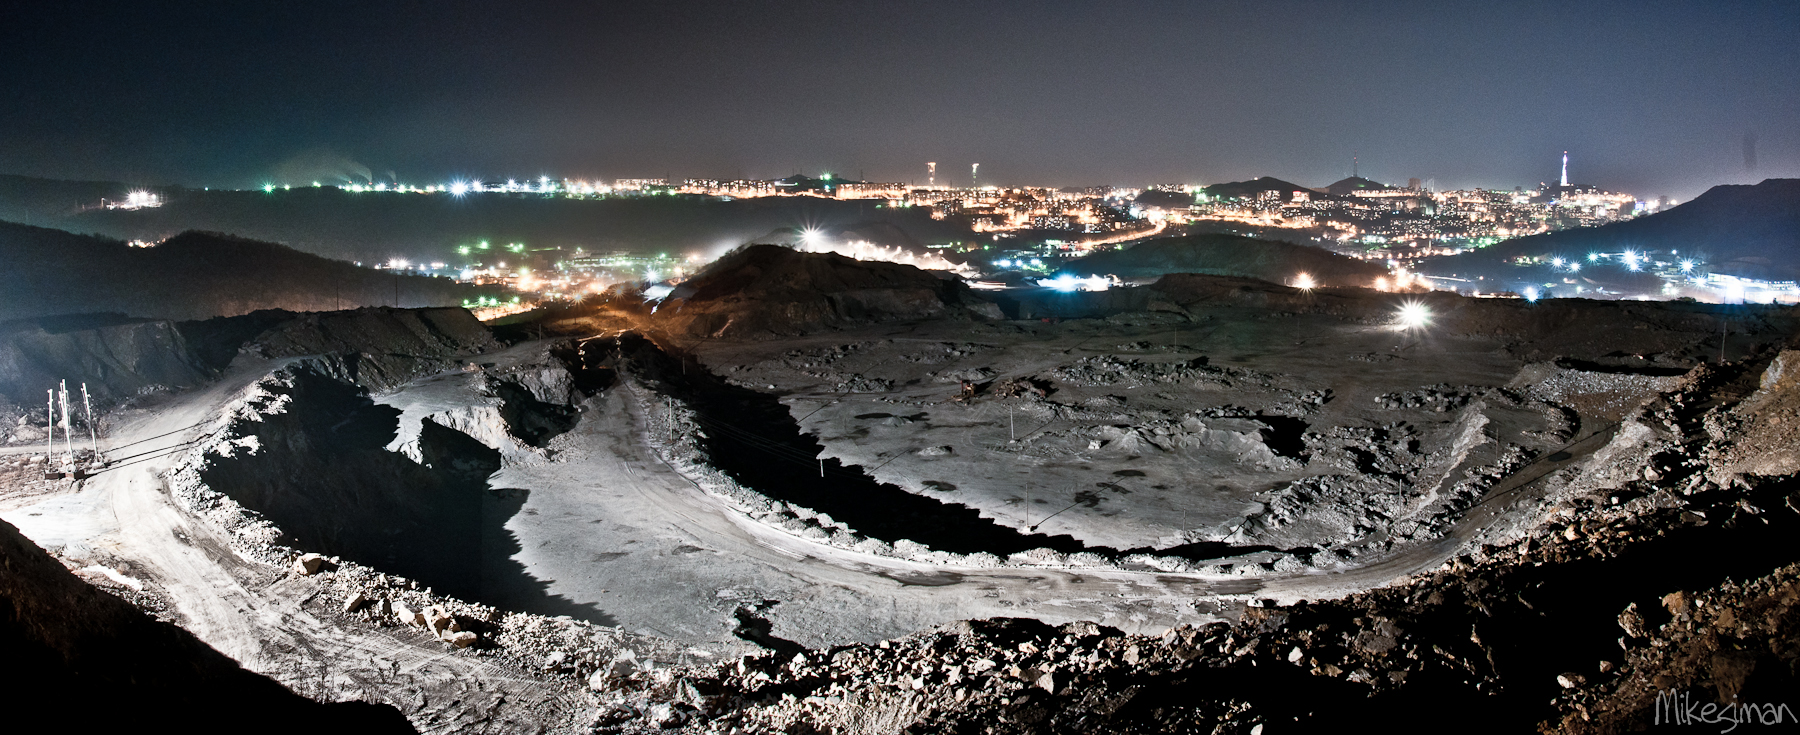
(1654, 98)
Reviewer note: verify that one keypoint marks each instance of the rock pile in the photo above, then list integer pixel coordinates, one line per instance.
(1521, 618)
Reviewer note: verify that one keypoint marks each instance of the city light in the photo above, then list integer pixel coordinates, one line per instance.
(1413, 315)
(1304, 282)
(1067, 283)
(459, 188)
(1531, 294)
(1687, 266)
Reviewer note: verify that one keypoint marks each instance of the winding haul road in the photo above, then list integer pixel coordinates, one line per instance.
(258, 614)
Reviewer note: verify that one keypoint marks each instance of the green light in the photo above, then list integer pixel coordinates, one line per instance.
(267, 188)
(464, 250)
(484, 244)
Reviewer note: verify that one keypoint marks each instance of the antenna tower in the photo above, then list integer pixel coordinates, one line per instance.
(1565, 173)
(931, 174)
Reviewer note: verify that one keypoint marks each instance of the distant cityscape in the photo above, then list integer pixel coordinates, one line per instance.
(1031, 231)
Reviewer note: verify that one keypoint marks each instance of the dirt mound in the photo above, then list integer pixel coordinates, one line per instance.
(376, 348)
(1230, 255)
(73, 649)
(769, 289)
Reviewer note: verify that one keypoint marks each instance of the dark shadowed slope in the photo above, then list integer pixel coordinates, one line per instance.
(190, 276)
(83, 656)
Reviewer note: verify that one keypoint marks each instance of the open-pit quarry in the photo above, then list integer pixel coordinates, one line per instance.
(1210, 504)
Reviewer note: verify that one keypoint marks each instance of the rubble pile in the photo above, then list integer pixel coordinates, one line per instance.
(1522, 630)
(1110, 370)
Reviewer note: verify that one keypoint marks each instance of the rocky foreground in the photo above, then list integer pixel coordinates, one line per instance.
(1667, 572)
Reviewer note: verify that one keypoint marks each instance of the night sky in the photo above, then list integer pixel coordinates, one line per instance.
(1651, 98)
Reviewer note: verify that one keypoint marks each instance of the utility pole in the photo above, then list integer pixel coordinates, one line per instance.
(68, 435)
(50, 430)
(93, 434)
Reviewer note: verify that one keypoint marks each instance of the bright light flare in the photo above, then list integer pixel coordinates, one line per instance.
(1687, 266)
(1304, 282)
(459, 188)
(1413, 315)
(1068, 284)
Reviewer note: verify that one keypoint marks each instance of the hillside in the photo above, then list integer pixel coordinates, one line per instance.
(1249, 189)
(371, 226)
(193, 275)
(770, 289)
(1751, 231)
(1230, 255)
(1347, 187)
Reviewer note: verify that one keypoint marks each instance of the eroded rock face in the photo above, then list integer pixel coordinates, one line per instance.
(309, 453)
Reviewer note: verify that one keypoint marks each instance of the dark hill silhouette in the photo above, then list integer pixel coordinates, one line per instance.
(47, 201)
(1230, 255)
(1249, 189)
(770, 289)
(375, 226)
(1346, 187)
(1165, 199)
(1741, 230)
(191, 276)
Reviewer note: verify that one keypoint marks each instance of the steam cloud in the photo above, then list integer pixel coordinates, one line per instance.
(321, 164)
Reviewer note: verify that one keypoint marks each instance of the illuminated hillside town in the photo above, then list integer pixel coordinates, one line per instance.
(1030, 232)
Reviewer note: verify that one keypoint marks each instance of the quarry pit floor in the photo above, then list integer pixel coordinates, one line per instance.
(609, 533)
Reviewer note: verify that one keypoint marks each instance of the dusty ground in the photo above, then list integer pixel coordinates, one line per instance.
(694, 500)
(1309, 432)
